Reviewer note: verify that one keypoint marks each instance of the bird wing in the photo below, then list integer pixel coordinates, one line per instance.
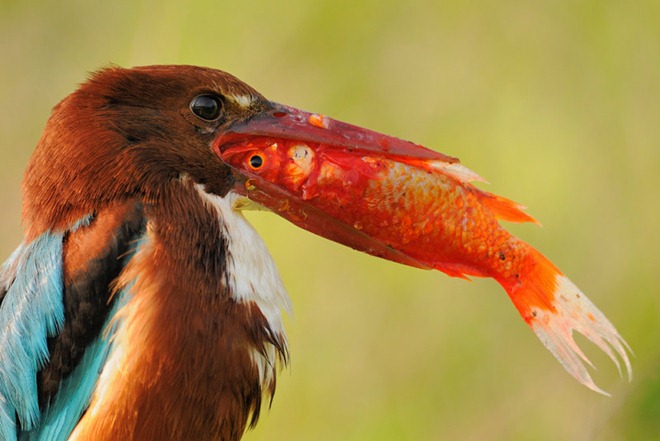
(56, 300)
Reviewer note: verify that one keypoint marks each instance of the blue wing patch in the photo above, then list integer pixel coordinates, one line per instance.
(32, 310)
(32, 317)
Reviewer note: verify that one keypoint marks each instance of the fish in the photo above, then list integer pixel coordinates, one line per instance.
(409, 204)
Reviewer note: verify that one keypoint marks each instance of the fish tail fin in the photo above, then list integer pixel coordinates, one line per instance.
(554, 307)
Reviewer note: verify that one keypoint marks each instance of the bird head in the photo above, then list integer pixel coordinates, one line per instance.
(126, 132)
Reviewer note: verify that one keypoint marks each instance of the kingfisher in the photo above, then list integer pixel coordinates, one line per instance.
(141, 305)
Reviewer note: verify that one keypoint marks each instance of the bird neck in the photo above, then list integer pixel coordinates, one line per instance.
(197, 342)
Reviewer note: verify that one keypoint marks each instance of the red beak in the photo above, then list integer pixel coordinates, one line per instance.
(284, 122)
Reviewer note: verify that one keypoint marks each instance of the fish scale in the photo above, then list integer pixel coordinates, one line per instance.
(436, 219)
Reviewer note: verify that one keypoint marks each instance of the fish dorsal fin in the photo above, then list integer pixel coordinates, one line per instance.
(506, 209)
(456, 170)
(446, 165)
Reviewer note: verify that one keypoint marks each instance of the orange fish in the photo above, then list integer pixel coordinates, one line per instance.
(403, 202)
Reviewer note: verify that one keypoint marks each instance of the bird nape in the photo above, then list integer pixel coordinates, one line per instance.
(141, 304)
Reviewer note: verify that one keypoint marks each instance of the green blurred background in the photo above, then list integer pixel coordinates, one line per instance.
(557, 103)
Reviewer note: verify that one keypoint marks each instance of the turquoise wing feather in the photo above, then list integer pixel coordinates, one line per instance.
(37, 305)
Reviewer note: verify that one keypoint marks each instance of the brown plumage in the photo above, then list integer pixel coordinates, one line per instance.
(126, 154)
(194, 380)
(126, 133)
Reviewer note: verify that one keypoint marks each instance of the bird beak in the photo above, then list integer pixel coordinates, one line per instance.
(286, 122)
(283, 123)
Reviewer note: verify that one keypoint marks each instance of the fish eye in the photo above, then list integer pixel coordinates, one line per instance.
(256, 161)
(206, 107)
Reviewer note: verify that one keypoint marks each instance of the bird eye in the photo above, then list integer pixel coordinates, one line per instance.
(206, 107)
(256, 161)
